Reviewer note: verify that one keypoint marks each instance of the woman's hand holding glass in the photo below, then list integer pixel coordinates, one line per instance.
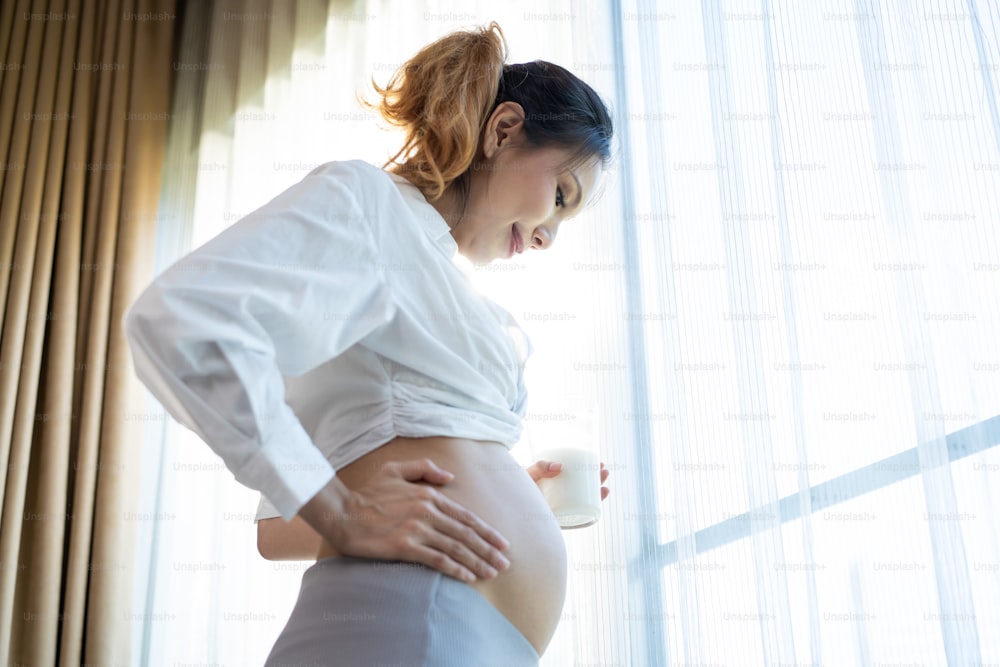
(561, 435)
(540, 470)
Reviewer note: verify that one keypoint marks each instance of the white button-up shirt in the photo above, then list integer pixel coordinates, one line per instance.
(323, 325)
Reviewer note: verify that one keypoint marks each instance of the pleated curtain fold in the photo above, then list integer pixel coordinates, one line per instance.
(84, 111)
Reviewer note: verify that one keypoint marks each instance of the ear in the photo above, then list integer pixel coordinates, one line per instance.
(503, 128)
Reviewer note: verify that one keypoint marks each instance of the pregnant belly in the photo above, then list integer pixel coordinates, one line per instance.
(489, 482)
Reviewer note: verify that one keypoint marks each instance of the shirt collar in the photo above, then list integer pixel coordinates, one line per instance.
(430, 220)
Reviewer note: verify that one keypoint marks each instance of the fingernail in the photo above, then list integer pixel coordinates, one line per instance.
(468, 576)
(502, 563)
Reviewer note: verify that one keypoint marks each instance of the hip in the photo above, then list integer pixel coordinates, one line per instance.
(353, 611)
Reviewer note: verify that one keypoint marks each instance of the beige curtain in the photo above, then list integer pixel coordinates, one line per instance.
(84, 96)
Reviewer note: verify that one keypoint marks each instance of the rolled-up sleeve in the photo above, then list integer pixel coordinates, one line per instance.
(290, 286)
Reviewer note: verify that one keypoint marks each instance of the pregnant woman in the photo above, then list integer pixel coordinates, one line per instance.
(329, 349)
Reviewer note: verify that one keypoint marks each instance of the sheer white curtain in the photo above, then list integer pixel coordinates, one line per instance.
(782, 306)
(813, 190)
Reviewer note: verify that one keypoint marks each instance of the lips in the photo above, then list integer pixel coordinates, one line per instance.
(518, 242)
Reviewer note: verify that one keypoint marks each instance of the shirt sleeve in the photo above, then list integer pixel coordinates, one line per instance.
(265, 510)
(281, 291)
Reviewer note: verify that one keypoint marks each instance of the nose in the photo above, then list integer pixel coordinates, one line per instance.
(543, 237)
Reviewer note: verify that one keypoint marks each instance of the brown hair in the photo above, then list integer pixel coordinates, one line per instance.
(441, 98)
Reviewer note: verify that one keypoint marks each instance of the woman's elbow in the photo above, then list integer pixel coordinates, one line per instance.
(267, 546)
(143, 328)
(264, 544)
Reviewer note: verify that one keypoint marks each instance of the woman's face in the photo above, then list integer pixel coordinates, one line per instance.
(518, 195)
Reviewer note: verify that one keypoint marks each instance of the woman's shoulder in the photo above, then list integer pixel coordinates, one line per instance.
(392, 208)
(353, 173)
(368, 186)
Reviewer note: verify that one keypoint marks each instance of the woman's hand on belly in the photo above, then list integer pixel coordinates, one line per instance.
(393, 517)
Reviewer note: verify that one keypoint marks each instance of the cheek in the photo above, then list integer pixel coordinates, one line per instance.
(519, 196)
(537, 197)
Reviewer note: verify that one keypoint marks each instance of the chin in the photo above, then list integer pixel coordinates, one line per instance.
(483, 254)
(477, 257)
(486, 256)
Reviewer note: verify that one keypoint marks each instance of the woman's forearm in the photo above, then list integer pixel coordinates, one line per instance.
(291, 540)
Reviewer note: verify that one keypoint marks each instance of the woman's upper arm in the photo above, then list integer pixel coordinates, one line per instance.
(279, 292)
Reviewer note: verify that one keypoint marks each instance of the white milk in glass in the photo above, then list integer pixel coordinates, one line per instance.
(565, 432)
(574, 495)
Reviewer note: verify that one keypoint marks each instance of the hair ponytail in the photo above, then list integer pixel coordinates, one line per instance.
(441, 98)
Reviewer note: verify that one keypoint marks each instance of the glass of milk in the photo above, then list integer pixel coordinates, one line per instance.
(564, 431)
